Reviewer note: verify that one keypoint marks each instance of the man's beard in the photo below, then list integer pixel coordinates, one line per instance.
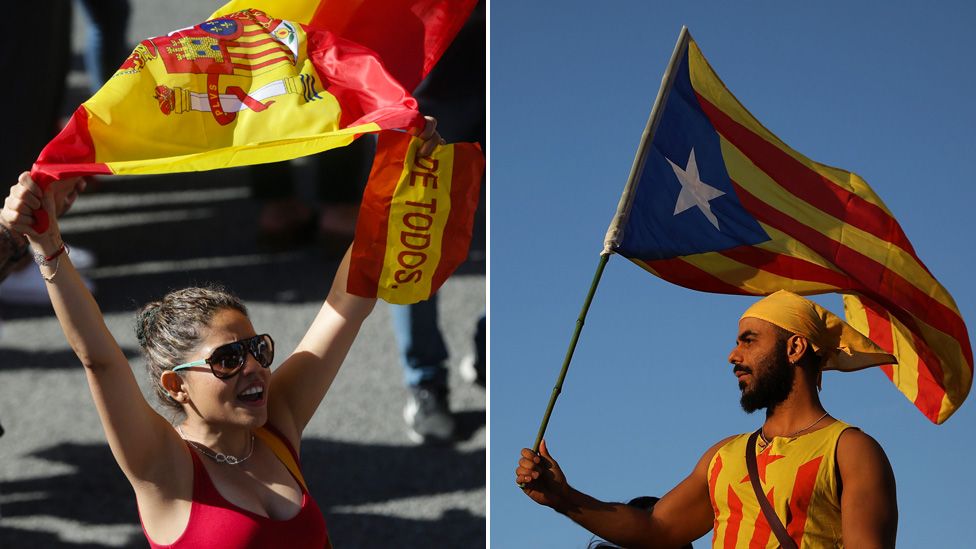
(773, 386)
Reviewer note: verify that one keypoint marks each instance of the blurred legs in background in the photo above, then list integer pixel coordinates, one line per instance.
(107, 45)
(289, 218)
(34, 113)
(423, 356)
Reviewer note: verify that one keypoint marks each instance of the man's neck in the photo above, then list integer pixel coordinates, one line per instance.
(795, 414)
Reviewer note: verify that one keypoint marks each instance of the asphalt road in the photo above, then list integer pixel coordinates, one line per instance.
(59, 485)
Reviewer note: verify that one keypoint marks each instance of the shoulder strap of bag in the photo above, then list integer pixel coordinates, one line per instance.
(775, 524)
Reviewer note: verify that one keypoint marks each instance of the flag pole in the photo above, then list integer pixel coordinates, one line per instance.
(614, 233)
(558, 388)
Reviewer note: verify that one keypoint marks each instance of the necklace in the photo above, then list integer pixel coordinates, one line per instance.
(765, 441)
(219, 457)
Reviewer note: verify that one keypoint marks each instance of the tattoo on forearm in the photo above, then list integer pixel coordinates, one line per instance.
(13, 249)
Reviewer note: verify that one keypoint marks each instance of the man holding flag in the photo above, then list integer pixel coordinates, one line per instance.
(832, 481)
(715, 202)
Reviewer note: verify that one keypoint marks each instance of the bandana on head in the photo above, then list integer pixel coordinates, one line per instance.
(843, 347)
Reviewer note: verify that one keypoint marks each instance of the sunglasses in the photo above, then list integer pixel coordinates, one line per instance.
(227, 360)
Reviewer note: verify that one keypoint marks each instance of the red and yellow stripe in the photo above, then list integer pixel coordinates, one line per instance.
(255, 50)
(415, 223)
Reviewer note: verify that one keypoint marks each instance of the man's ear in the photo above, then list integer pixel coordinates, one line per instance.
(796, 347)
(174, 385)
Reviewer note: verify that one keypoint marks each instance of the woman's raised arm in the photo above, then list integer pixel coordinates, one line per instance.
(300, 383)
(140, 438)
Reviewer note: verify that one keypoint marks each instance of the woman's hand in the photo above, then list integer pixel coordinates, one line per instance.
(18, 212)
(431, 139)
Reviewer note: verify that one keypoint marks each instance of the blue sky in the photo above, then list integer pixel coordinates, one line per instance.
(879, 88)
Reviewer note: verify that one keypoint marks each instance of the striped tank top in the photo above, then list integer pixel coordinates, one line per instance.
(799, 477)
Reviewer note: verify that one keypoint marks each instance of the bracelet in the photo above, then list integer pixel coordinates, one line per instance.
(57, 263)
(56, 257)
(41, 259)
(61, 250)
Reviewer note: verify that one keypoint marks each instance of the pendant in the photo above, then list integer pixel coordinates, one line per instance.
(224, 458)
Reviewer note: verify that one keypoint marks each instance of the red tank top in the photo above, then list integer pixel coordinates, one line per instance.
(219, 524)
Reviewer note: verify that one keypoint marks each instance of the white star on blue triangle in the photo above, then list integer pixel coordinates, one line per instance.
(685, 202)
(694, 191)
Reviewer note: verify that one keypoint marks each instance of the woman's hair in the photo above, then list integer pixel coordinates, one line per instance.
(170, 328)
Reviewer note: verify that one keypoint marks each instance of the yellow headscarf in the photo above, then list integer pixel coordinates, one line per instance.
(843, 347)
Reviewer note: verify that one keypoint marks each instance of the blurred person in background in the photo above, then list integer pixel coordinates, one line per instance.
(645, 503)
(454, 93)
(106, 48)
(338, 177)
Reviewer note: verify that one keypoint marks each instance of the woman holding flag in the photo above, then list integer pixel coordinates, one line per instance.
(227, 474)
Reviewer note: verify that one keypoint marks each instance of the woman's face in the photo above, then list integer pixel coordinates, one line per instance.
(223, 401)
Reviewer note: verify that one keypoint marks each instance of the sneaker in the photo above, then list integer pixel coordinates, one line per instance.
(472, 370)
(428, 418)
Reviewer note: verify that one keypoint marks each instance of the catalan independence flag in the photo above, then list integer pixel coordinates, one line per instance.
(718, 203)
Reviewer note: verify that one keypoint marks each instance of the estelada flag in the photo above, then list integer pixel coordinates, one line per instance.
(408, 35)
(245, 88)
(718, 203)
(415, 223)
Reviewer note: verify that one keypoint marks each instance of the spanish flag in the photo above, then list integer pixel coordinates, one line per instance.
(249, 87)
(718, 203)
(408, 35)
(244, 88)
(415, 224)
